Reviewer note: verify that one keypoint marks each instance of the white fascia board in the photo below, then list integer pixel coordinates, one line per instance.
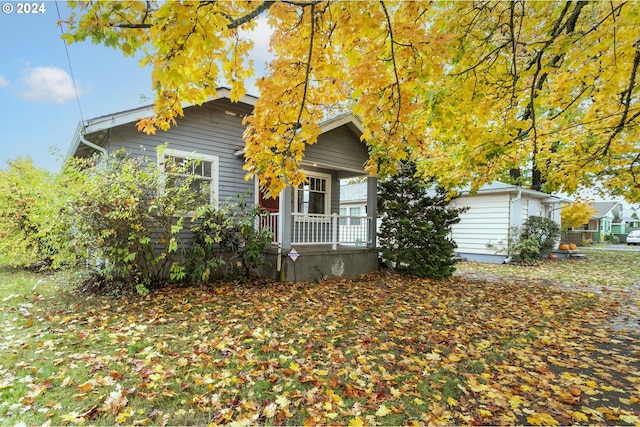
(75, 142)
(546, 198)
(326, 126)
(342, 120)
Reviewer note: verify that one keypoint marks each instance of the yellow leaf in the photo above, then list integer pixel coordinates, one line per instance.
(86, 386)
(432, 356)
(485, 413)
(356, 422)
(73, 417)
(579, 416)
(382, 411)
(542, 419)
(321, 372)
(630, 419)
(121, 418)
(515, 401)
(452, 402)
(294, 366)
(395, 392)
(454, 357)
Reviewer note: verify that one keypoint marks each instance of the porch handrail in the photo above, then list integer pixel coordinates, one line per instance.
(321, 229)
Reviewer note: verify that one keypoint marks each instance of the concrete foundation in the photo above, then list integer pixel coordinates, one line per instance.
(318, 262)
(489, 259)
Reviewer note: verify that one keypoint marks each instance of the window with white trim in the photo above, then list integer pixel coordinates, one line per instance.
(353, 211)
(202, 168)
(314, 195)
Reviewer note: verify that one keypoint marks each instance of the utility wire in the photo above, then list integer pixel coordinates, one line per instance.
(66, 48)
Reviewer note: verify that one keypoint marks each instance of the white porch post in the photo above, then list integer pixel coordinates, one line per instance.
(284, 218)
(372, 210)
(334, 231)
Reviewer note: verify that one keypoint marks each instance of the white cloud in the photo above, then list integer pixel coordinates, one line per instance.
(49, 84)
(3, 82)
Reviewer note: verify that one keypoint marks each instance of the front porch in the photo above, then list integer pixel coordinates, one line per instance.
(307, 217)
(327, 245)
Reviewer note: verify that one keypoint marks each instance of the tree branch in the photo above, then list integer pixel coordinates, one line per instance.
(234, 23)
(395, 65)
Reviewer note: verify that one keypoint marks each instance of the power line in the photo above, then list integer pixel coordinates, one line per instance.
(66, 48)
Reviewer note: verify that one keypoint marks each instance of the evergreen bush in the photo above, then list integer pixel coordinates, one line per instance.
(415, 233)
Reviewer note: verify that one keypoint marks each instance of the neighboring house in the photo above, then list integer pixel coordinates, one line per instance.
(632, 222)
(353, 204)
(305, 218)
(606, 221)
(493, 212)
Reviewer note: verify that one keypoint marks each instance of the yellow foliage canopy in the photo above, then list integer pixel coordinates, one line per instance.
(577, 214)
(468, 90)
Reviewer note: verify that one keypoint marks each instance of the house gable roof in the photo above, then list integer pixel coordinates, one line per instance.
(101, 125)
(604, 208)
(109, 121)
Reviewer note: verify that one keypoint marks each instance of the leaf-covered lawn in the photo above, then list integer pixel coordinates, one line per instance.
(379, 350)
(601, 267)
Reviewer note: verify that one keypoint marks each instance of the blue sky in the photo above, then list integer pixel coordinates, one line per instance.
(39, 107)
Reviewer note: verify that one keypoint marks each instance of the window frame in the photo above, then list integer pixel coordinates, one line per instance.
(327, 201)
(192, 155)
(355, 221)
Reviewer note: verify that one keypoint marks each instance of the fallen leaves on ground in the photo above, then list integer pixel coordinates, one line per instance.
(377, 350)
(600, 267)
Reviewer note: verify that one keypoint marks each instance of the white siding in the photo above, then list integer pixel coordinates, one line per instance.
(484, 227)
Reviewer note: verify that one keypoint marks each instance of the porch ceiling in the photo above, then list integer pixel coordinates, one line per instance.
(341, 171)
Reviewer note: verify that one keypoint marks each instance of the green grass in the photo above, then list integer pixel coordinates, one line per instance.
(601, 268)
(381, 349)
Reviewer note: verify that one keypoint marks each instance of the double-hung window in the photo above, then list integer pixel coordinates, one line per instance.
(353, 211)
(314, 195)
(202, 170)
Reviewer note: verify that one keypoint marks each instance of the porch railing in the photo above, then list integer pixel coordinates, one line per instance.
(315, 229)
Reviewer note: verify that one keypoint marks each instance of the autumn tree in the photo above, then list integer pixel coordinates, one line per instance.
(542, 93)
(576, 214)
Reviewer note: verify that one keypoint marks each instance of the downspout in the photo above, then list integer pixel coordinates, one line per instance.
(92, 145)
(517, 198)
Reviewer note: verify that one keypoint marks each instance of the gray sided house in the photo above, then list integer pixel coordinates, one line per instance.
(306, 218)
